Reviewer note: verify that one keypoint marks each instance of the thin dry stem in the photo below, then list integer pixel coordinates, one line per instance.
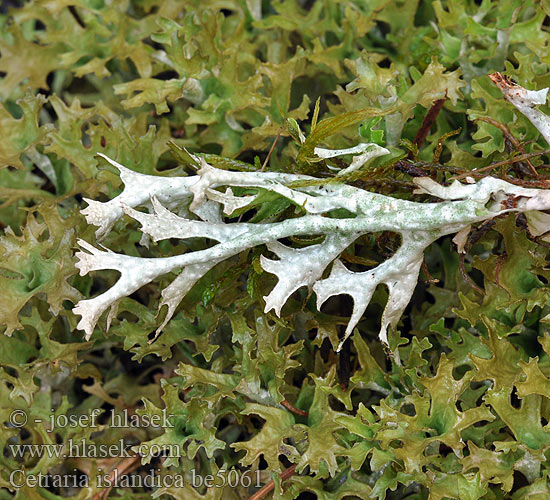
(515, 159)
(271, 150)
(467, 278)
(508, 135)
(293, 409)
(270, 486)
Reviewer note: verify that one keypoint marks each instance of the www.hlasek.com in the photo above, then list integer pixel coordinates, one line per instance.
(88, 449)
(152, 479)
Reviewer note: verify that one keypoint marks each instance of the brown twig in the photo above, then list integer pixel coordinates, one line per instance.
(515, 159)
(409, 168)
(540, 241)
(467, 278)
(427, 123)
(521, 222)
(508, 135)
(532, 183)
(418, 168)
(476, 235)
(270, 486)
(272, 148)
(505, 130)
(473, 238)
(293, 409)
(427, 275)
(500, 261)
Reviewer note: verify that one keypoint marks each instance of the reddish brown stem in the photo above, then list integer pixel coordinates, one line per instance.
(532, 183)
(271, 150)
(467, 278)
(428, 277)
(501, 260)
(501, 163)
(293, 409)
(538, 239)
(427, 123)
(508, 135)
(481, 231)
(409, 168)
(270, 486)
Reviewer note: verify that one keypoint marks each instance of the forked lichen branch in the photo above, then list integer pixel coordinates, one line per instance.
(193, 207)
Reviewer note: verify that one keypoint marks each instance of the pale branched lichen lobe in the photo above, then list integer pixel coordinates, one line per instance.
(419, 224)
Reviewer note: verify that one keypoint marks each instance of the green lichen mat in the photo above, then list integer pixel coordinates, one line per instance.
(274, 249)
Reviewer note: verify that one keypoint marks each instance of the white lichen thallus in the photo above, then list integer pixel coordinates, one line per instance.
(191, 207)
